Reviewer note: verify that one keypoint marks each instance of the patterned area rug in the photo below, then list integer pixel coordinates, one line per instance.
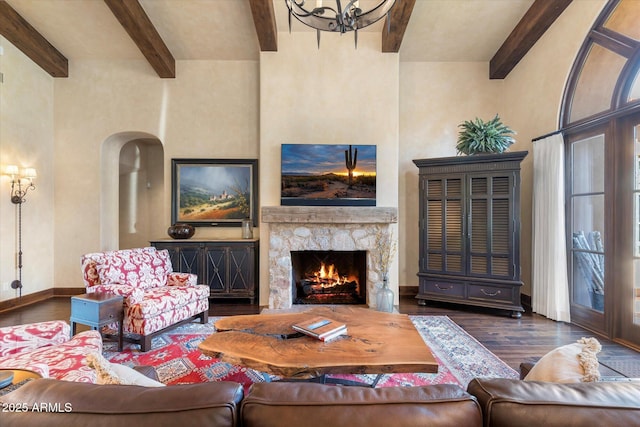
(177, 359)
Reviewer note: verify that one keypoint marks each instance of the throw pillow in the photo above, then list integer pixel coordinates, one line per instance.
(570, 363)
(112, 373)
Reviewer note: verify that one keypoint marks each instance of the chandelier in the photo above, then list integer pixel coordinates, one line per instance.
(338, 19)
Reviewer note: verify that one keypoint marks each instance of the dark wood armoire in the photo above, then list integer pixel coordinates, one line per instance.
(470, 230)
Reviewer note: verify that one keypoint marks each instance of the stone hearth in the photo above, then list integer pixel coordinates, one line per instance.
(323, 228)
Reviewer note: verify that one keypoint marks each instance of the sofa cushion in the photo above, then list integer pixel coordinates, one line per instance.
(509, 402)
(307, 404)
(22, 338)
(150, 324)
(577, 362)
(204, 404)
(166, 299)
(65, 361)
(113, 373)
(141, 267)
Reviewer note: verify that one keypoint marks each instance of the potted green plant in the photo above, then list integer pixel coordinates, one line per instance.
(477, 136)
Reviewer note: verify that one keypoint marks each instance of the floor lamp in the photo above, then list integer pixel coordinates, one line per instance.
(21, 183)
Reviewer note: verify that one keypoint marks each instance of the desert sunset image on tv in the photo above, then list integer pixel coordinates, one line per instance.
(328, 175)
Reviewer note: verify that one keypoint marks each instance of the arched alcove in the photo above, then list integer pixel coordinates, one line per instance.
(132, 191)
(141, 184)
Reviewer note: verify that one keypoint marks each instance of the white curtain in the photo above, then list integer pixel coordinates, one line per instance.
(549, 273)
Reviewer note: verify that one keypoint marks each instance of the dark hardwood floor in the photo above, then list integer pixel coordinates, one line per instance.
(512, 340)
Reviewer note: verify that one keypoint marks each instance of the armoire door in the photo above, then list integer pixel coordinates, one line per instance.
(491, 226)
(443, 225)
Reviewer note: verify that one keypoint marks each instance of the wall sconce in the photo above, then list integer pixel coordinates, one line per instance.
(21, 183)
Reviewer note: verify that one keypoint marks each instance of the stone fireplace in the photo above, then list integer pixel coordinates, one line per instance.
(322, 228)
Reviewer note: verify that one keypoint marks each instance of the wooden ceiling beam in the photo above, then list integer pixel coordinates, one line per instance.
(26, 38)
(135, 21)
(264, 19)
(531, 27)
(393, 32)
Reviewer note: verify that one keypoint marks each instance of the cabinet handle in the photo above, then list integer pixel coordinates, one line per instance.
(490, 294)
(443, 288)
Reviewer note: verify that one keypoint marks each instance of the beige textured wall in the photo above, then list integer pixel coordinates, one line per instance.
(209, 111)
(434, 99)
(332, 95)
(26, 140)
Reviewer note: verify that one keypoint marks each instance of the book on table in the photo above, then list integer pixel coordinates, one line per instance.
(321, 328)
(338, 332)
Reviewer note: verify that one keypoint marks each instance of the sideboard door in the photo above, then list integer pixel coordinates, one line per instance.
(227, 267)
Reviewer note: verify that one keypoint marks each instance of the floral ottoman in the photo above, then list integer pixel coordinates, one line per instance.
(46, 348)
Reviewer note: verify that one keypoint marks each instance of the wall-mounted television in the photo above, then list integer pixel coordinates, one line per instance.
(328, 175)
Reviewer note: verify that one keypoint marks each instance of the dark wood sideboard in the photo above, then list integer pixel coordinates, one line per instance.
(469, 229)
(229, 267)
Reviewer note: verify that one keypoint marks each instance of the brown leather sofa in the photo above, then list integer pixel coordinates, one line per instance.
(317, 405)
(508, 402)
(488, 402)
(221, 404)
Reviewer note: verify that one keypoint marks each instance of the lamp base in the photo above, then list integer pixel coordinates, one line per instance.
(16, 284)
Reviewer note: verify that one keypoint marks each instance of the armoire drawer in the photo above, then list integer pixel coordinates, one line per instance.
(489, 292)
(441, 287)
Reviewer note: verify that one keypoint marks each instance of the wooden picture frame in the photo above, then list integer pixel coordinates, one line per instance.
(214, 192)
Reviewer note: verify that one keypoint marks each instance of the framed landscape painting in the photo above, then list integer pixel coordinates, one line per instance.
(328, 175)
(214, 192)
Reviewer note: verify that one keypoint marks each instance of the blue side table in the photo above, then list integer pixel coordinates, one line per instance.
(97, 310)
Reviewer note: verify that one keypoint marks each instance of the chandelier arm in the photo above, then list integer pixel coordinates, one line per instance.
(374, 15)
(313, 12)
(348, 19)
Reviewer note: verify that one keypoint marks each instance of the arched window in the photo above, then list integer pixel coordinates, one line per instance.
(601, 124)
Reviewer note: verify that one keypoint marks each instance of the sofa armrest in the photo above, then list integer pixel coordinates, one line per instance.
(508, 401)
(203, 404)
(131, 294)
(21, 338)
(182, 279)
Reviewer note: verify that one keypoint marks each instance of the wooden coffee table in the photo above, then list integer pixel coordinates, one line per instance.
(376, 343)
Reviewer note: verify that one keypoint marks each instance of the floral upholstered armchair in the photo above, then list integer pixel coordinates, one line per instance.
(155, 297)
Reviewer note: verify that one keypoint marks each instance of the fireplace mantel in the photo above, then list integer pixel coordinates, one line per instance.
(323, 228)
(330, 214)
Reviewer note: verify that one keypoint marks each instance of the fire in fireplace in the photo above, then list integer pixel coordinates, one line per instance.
(329, 277)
